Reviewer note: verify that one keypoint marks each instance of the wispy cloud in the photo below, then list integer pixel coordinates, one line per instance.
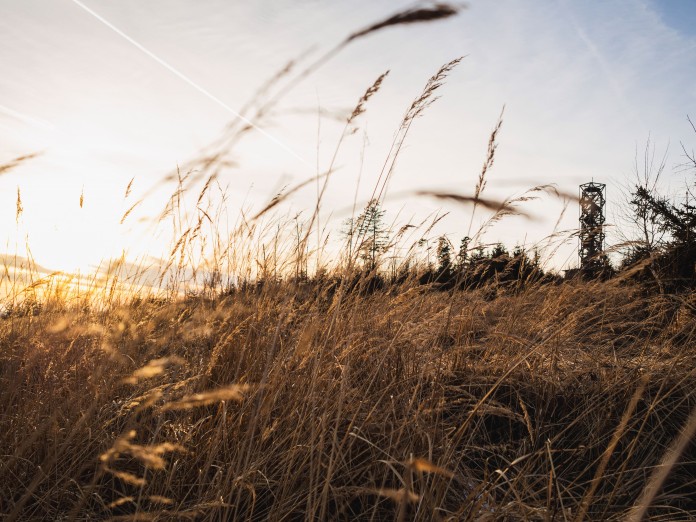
(604, 65)
(188, 80)
(26, 118)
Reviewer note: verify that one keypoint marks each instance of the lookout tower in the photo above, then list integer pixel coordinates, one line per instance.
(592, 203)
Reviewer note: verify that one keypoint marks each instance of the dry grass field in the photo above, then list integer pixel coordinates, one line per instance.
(557, 402)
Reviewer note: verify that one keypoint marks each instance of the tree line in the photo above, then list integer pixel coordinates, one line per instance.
(659, 249)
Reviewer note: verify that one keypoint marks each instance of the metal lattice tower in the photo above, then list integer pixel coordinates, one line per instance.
(592, 203)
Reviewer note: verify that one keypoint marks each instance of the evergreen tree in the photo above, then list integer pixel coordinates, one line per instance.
(498, 251)
(463, 254)
(677, 221)
(367, 235)
(444, 259)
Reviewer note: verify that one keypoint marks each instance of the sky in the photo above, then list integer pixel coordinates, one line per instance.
(109, 92)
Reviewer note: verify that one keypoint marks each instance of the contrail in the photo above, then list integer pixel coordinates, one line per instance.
(31, 120)
(185, 78)
(604, 66)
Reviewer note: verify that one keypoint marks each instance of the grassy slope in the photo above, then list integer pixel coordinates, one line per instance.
(406, 404)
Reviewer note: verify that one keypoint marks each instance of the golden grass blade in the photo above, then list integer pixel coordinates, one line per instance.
(19, 207)
(153, 368)
(129, 188)
(120, 502)
(425, 466)
(127, 477)
(145, 401)
(159, 499)
(149, 455)
(130, 209)
(234, 392)
(398, 495)
(16, 162)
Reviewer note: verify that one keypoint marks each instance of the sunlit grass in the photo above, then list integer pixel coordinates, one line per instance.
(310, 402)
